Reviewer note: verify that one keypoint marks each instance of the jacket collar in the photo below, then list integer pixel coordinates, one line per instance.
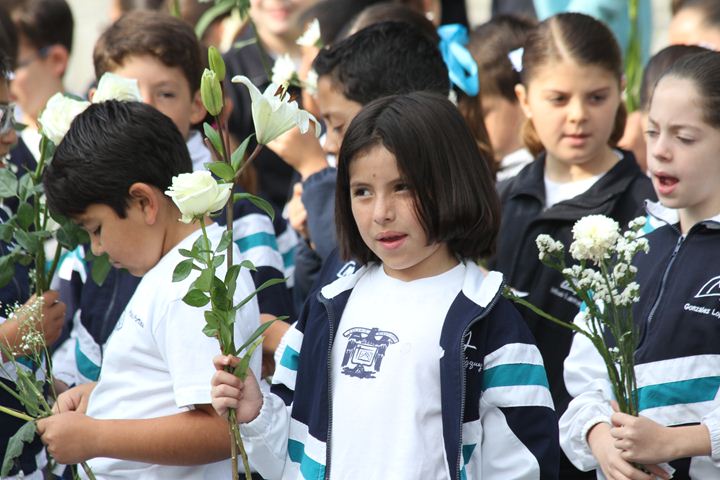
(478, 286)
(661, 214)
(531, 182)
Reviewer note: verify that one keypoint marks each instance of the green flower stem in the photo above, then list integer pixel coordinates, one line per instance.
(236, 445)
(595, 340)
(55, 261)
(40, 279)
(15, 413)
(252, 157)
(87, 470)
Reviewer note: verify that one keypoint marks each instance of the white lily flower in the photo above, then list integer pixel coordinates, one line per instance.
(311, 36)
(115, 87)
(58, 114)
(274, 116)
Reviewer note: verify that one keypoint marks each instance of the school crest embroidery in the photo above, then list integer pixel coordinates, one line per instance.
(365, 351)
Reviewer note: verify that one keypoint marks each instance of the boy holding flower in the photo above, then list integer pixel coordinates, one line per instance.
(148, 415)
(163, 54)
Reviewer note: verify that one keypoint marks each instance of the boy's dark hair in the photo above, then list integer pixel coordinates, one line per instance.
(395, 12)
(8, 42)
(143, 32)
(109, 147)
(387, 58)
(657, 65)
(579, 38)
(455, 197)
(42, 22)
(703, 69)
(126, 6)
(334, 16)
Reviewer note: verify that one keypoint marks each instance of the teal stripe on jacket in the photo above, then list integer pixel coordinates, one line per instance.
(514, 374)
(696, 390)
(308, 467)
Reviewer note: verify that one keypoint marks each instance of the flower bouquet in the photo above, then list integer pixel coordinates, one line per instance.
(199, 194)
(604, 280)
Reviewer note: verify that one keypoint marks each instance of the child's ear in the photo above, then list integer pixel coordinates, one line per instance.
(197, 109)
(57, 58)
(521, 94)
(91, 93)
(148, 199)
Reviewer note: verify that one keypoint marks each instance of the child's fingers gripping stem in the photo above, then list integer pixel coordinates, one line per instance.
(613, 466)
(228, 391)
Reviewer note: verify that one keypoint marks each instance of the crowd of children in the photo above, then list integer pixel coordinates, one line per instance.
(443, 154)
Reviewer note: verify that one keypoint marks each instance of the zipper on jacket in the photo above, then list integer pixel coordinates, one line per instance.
(462, 376)
(664, 280)
(331, 320)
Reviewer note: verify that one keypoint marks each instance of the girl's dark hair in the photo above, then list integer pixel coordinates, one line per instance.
(455, 197)
(581, 39)
(489, 45)
(657, 65)
(703, 69)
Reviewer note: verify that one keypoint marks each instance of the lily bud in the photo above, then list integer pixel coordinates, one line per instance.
(211, 92)
(217, 64)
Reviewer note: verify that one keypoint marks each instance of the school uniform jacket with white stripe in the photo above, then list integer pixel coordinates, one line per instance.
(497, 414)
(677, 362)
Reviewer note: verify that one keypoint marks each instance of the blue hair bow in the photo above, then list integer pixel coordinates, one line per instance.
(460, 63)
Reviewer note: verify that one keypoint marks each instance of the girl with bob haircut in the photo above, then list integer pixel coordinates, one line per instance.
(415, 360)
(677, 360)
(571, 94)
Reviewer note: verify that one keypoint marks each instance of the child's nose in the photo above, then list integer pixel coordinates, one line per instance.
(96, 245)
(383, 211)
(577, 111)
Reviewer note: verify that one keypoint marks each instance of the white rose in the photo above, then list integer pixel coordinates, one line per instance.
(283, 71)
(274, 116)
(115, 87)
(594, 238)
(58, 114)
(311, 36)
(197, 194)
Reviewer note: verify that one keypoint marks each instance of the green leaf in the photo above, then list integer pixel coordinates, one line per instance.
(242, 368)
(231, 279)
(266, 284)
(30, 243)
(258, 331)
(26, 188)
(196, 298)
(225, 241)
(210, 331)
(238, 155)
(25, 215)
(220, 295)
(218, 260)
(222, 170)
(6, 232)
(261, 203)
(15, 446)
(204, 281)
(7, 269)
(100, 267)
(186, 253)
(182, 270)
(249, 265)
(201, 246)
(69, 235)
(214, 137)
(8, 183)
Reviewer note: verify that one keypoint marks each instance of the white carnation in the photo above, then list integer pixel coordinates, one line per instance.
(197, 194)
(311, 36)
(594, 237)
(284, 70)
(58, 114)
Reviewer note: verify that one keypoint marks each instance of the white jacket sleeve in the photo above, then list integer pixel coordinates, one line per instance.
(586, 379)
(266, 437)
